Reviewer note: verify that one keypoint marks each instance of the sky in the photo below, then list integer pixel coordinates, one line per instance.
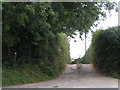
(77, 49)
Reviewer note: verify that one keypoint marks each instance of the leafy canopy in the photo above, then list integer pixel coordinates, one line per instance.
(40, 20)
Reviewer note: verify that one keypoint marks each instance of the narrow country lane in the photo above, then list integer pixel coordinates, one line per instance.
(85, 77)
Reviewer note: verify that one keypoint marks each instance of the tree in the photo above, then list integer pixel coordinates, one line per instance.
(79, 15)
(29, 28)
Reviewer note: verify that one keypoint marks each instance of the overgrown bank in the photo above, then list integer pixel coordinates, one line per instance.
(44, 69)
(32, 46)
(106, 50)
(28, 74)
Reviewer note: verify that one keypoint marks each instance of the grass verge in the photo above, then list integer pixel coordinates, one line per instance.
(28, 74)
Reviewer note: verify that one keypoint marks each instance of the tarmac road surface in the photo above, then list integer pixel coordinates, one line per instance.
(85, 77)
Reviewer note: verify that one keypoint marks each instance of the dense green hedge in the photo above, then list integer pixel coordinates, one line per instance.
(106, 50)
(50, 57)
(56, 62)
(31, 37)
(29, 30)
(44, 68)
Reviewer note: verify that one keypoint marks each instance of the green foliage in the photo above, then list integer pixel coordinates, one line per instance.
(34, 18)
(106, 50)
(29, 74)
(44, 69)
(30, 35)
(56, 62)
(33, 32)
(74, 62)
(86, 59)
(79, 16)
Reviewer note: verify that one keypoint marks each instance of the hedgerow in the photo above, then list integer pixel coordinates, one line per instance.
(106, 50)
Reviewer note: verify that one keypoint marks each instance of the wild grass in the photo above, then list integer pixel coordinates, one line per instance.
(28, 74)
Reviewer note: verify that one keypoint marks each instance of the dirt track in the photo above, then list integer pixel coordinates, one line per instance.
(86, 77)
